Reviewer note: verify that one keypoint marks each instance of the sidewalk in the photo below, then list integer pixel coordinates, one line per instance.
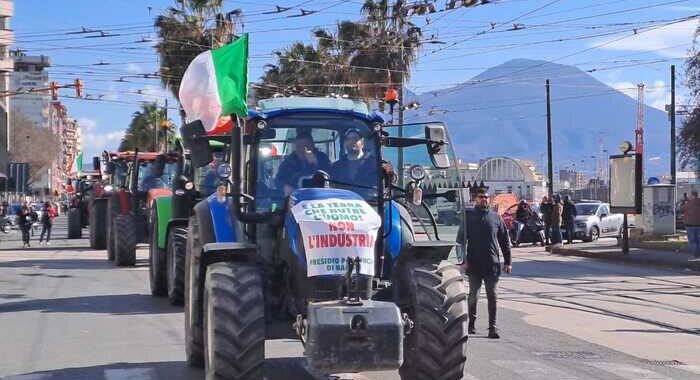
(641, 256)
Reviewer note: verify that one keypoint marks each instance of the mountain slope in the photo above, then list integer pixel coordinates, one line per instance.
(502, 112)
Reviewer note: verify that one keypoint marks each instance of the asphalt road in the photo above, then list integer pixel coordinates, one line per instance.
(66, 313)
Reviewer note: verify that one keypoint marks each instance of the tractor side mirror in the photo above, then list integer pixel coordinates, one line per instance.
(194, 138)
(437, 148)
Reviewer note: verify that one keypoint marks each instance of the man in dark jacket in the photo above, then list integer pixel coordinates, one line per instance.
(486, 237)
(568, 216)
(546, 207)
(304, 161)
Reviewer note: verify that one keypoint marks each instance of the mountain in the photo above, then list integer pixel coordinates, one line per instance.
(502, 112)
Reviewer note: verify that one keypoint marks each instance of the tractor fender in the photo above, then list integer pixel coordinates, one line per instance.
(163, 209)
(176, 222)
(124, 200)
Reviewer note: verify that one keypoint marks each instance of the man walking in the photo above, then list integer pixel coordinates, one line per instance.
(569, 216)
(691, 219)
(546, 207)
(25, 224)
(486, 237)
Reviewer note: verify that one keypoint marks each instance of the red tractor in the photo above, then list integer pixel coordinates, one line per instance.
(137, 178)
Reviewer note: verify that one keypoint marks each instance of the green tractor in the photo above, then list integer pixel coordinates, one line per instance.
(141, 177)
(169, 215)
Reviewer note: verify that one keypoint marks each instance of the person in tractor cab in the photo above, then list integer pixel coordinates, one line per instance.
(304, 161)
(356, 167)
(153, 180)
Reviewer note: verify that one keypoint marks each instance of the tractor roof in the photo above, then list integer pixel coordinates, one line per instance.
(142, 156)
(270, 108)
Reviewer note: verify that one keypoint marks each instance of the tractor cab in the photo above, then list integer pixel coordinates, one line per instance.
(322, 215)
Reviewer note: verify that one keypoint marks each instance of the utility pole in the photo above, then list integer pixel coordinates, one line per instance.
(550, 169)
(672, 115)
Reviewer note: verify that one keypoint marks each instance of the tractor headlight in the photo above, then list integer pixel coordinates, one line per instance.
(109, 188)
(261, 125)
(189, 186)
(179, 192)
(416, 172)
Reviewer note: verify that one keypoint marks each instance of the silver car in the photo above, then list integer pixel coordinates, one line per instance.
(594, 220)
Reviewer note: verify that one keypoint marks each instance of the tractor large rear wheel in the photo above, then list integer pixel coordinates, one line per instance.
(98, 225)
(234, 322)
(436, 348)
(176, 252)
(74, 226)
(194, 340)
(125, 241)
(156, 261)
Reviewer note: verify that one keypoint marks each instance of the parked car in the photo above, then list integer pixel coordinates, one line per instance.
(594, 220)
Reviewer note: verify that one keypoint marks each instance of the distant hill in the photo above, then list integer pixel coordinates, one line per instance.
(502, 112)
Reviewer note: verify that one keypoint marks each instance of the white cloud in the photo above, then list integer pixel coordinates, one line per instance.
(151, 93)
(627, 88)
(663, 41)
(656, 94)
(95, 141)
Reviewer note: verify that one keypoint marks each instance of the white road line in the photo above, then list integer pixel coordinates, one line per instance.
(534, 370)
(629, 371)
(130, 374)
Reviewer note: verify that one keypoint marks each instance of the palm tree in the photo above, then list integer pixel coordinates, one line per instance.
(140, 135)
(188, 29)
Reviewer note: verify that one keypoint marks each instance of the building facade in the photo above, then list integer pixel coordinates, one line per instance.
(30, 75)
(6, 67)
(505, 175)
(68, 132)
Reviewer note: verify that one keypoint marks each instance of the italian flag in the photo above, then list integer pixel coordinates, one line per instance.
(76, 166)
(215, 86)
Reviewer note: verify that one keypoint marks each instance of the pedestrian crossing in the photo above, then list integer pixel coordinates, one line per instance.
(510, 369)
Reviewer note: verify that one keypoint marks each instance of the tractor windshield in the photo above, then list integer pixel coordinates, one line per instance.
(344, 150)
(154, 176)
(446, 213)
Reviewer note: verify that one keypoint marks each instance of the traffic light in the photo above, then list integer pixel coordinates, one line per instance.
(78, 88)
(54, 90)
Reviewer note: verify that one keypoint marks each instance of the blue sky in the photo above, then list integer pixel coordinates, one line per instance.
(597, 35)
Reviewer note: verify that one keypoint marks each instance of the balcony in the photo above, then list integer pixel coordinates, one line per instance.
(7, 37)
(7, 8)
(6, 64)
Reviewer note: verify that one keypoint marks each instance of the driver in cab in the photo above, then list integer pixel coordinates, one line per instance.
(356, 167)
(304, 161)
(154, 178)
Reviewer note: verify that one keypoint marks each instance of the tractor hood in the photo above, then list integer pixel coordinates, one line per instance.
(332, 225)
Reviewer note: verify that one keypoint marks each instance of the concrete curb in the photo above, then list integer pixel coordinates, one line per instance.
(630, 259)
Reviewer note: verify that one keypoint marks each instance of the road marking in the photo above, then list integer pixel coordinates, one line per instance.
(534, 370)
(38, 376)
(629, 371)
(690, 368)
(129, 374)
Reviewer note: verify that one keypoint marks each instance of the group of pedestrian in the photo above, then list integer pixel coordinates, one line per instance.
(558, 213)
(26, 217)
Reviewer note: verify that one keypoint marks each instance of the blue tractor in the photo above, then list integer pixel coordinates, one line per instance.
(320, 218)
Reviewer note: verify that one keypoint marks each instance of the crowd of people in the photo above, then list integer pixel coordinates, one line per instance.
(26, 217)
(558, 216)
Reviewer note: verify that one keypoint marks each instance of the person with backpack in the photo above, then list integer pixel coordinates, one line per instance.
(47, 218)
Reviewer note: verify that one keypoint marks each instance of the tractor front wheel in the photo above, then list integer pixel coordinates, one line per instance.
(176, 251)
(74, 226)
(98, 225)
(156, 261)
(125, 241)
(436, 347)
(234, 322)
(194, 345)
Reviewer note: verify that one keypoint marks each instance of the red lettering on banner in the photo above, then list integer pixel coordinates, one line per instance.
(341, 226)
(332, 241)
(324, 241)
(361, 242)
(311, 242)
